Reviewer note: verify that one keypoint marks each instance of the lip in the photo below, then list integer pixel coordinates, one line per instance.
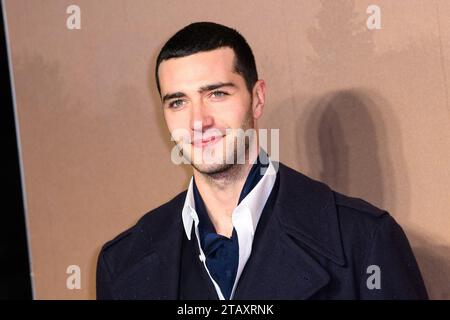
(202, 143)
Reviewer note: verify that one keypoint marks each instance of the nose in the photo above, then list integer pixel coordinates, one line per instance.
(201, 118)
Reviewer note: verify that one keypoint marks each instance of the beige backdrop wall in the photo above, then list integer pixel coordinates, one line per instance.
(366, 111)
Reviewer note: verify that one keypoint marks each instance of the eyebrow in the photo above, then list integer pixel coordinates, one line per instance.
(202, 89)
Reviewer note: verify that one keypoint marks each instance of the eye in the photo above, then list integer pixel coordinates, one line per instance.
(218, 94)
(176, 104)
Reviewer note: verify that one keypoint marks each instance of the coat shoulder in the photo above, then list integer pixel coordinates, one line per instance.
(357, 204)
(328, 221)
(359, 216)
(300, 187)
(129, 245)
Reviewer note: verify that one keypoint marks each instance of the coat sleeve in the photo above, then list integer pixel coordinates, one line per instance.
(391, 271)
(103, 281)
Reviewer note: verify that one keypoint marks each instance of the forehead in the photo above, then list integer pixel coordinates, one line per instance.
(196, 70)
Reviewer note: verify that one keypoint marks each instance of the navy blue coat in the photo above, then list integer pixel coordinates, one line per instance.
(317, 244)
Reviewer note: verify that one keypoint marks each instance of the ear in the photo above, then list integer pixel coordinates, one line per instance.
(259, 98)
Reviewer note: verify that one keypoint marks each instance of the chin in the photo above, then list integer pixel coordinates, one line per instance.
(212, 169)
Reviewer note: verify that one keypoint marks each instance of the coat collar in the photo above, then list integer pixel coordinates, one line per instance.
(307, 211)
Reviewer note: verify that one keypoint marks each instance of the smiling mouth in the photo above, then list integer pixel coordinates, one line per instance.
(202, 143)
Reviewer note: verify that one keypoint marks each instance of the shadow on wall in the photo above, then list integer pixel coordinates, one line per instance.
(342, 141)
(344, 133)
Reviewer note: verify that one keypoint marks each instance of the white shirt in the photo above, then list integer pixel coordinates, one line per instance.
(245, 218)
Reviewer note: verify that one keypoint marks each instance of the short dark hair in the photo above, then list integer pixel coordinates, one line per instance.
(207, 36)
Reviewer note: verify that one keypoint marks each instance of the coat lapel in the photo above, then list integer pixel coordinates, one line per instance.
(170, 257)
(279, 268)
(302, 219)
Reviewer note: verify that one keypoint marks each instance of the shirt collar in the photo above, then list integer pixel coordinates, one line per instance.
(188, 213)
(253, 203)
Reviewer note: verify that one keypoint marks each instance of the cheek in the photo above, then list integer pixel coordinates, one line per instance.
(236, 113)
(241, 116)
(179, 133)
(175, 120)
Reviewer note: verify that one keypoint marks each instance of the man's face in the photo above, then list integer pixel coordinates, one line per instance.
(204, 103)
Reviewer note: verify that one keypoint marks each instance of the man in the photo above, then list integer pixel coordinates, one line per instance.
(247, 227)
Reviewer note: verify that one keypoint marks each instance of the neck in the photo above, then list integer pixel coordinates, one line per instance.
(220, 193)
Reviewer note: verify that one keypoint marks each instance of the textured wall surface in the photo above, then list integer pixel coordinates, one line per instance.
(366, 111)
